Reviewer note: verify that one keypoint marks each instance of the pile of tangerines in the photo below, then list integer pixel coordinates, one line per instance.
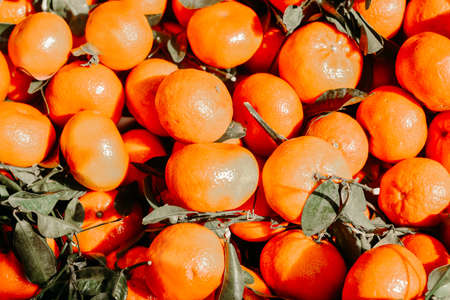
(207, 149)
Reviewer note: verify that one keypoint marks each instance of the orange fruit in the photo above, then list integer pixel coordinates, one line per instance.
(316, 58)
(194, 106)
(295, 266)
(267, 52)
(141, 145)
(438, 143)
(141, 86)
(212, 177)
(125, 42)
(385, 16)
(385, 272)
(19, 84)
(257, 231)
(428, 250)
(40, 44)
(343, 133)
(187, 262)
(422, 67)
(148, 7)
(275, 101)
(94, 151)
(98, 209)
(258, 285)
(4, 77)
(414, 192)
(15, 285)
(288, 175)
(427, 15)
(182, 14)
(283, 4)
(75, 88)
(14, 11)
(27, 135)
(395, 123)
(224, 35)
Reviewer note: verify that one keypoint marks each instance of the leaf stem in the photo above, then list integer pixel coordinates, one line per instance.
(277, 138)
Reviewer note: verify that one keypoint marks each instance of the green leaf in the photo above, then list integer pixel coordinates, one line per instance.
(37, 258)
(30, 202)
(26, 176)
(125, 199)
(74, 213)
(154, 19)
(194, 4)
(90, 281)
(439, 283)
(333, 100)
(321, 208)
(177, 46)
(5, 31)
(5, 26)
(233, 281)
(36, 85)
(4, 194)
(102, 296)
(9, 184)
(347, 241)
(390, 238)
(219, 228)
(234, 131)
(117, 286)
(292, 17)
(369, 40)
(277, 138)
(354, 211)
(164, 213)
(52, 227)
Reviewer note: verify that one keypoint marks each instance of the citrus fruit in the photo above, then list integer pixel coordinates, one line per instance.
(194, 106)
(316, 58)
(343, 133)
(385, 16)
(14, 11)
(94, 151)
(427, 15)
(126, 41)
(428, 250)
(414, 192)
(27, 135)
(15, 285)
(395, 123)
(289, 173)
(4, 77)
(267, 53)
(40, 44)
(275, 101)
(422, 67)
(438, 143)
(76, 87)
(141, 86)
(141, 145)
(212, 177)
(295, 266)
(99, 209)
(187, 262)
(224, 35)
(385, 272)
